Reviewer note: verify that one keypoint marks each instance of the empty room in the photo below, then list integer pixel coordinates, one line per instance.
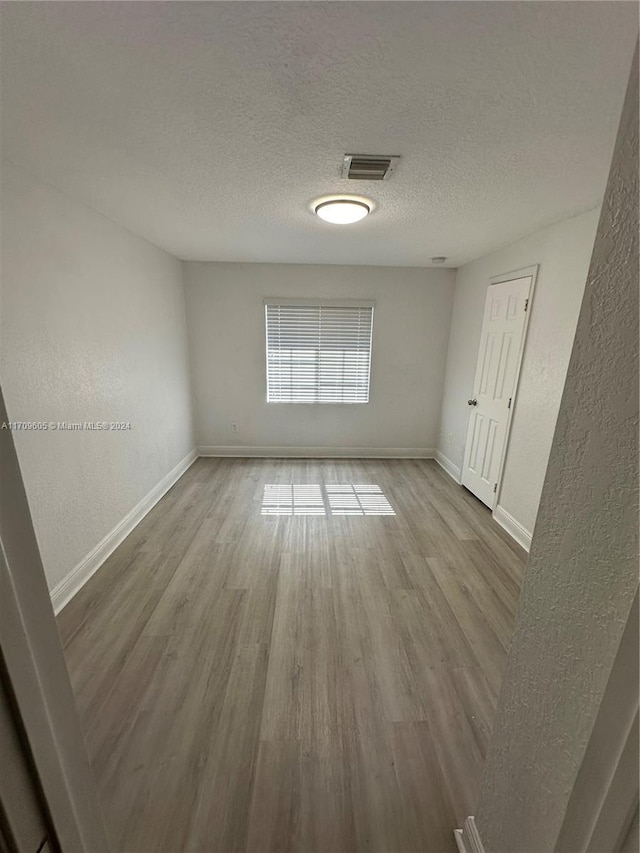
(319, 427)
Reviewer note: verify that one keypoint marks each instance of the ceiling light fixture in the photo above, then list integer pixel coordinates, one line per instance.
(342, 211)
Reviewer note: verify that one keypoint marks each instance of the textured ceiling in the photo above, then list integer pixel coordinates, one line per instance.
(209, 128)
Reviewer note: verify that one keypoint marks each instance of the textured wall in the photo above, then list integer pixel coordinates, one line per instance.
(226, 337)
(562, 252)
(583, 568)
(93, 328)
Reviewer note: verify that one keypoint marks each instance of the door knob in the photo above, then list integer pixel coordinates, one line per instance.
(473, 402)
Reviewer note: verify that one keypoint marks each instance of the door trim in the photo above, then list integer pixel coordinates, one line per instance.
(524, 272)
(34, 670)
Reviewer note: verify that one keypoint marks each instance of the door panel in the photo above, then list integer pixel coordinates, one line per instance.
(494, 385)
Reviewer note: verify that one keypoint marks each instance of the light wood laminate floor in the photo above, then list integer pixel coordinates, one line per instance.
(269, 669)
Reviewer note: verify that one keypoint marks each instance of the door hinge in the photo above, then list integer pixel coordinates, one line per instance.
(495, 487)
(509, 403)
(526, 304)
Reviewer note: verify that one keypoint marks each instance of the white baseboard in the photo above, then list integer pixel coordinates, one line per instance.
(513, 527)
(468, 838)
(319, 452)
(63, 592)
(447, 465)
(457, 834)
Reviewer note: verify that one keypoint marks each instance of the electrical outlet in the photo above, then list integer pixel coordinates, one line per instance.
(235, 427)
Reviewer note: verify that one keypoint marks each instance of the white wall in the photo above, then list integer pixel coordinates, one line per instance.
(93, 328)
(562, 252)
(225, 318)
(582, 574)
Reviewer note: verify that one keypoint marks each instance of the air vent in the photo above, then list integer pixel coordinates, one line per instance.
(367, 167)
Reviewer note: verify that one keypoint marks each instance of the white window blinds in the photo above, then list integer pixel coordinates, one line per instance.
(318, 353)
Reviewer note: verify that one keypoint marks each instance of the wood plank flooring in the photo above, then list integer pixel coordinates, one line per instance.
(295, 670)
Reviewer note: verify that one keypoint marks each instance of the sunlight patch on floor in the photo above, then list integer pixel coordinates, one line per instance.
(358, 500)
(314, 499)
(292, 500)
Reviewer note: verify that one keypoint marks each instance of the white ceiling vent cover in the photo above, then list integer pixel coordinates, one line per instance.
(369, 167)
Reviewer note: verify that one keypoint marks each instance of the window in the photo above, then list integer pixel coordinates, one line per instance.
(318, 352)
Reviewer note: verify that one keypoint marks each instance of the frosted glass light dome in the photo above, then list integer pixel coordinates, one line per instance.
(342, 211)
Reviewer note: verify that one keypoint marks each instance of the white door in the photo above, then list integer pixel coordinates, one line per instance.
(501, 341)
